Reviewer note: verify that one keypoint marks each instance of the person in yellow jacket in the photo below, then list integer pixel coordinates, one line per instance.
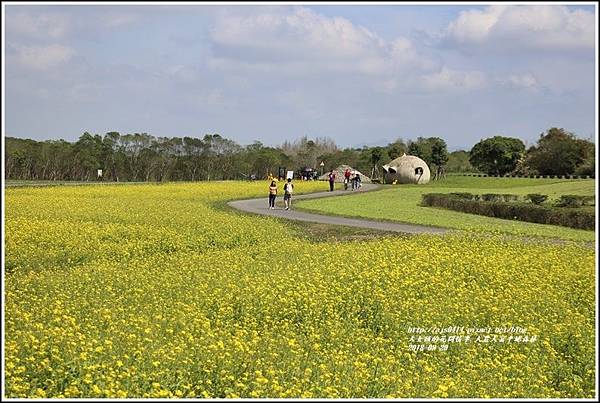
(272, 195)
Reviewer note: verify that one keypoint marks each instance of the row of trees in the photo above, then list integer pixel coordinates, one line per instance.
(557, 152)
(136, 157)
(142, 157)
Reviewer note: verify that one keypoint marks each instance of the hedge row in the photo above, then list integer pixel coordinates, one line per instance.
(535, 198)
(534, 176)
(574, 218)
(575, 201)
(486, 197)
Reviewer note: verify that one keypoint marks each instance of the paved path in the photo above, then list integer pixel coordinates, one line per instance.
(260, 206)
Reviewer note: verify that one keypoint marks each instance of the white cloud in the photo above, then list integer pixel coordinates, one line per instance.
(182, 73)
(474, 26)
(42, 57)
(28, 25)
(41, 26)
(307, 31)
(528, 27)
(304, 41)
(448, 79)
(84, 92)
(118, 20)
(525, 81)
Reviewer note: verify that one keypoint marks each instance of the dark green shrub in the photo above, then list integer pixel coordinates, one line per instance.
(570, 201)
(509, 197)
(464, 195)
(589, 200)
(574, 218)
(435, 199)
(491, 197)
(536, 198)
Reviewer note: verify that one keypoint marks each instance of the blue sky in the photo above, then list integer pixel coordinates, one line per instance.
(360, 74)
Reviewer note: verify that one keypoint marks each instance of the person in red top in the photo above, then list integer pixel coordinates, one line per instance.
(346, 178)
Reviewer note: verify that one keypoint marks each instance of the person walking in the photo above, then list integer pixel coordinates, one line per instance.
(288, 189)
(272, 195)
(357, 182)
(347, 174)
(331, 180)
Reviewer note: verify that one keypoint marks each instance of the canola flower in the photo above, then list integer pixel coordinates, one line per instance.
(162, 291)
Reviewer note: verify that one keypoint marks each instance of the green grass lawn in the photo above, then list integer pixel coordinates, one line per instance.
(401, 203)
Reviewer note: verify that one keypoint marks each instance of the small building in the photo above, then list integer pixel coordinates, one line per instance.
(407, 169)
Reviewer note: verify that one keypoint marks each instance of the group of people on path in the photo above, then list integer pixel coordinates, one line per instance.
(288, 187)
(356, 181)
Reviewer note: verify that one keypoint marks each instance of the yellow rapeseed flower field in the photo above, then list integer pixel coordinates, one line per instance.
(163, 291)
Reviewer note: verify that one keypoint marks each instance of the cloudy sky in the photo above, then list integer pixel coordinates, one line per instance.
(360, 74)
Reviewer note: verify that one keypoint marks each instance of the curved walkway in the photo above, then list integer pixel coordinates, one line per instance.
(260, 206)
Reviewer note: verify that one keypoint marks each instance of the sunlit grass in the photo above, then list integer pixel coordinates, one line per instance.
(402, 203)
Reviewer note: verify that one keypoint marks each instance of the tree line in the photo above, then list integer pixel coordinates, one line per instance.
(557, 152)
(143, 157)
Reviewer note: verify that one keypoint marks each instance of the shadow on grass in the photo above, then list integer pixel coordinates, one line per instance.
(317, 232)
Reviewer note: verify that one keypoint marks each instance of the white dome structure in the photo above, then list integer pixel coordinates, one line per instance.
(407, 169)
